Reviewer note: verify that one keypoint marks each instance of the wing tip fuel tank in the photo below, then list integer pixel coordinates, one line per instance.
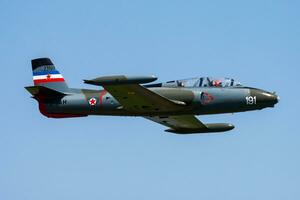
(210, 128)
(112, 80)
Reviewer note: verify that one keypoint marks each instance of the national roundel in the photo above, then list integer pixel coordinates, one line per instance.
(93, 101)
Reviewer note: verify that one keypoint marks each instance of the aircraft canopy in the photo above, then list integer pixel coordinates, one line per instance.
(203, 82)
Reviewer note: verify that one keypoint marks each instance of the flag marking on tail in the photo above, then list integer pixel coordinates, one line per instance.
(47, 77)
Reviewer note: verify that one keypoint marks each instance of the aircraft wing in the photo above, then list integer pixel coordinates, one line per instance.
(136, 98)
(185, 124)
(133, 96)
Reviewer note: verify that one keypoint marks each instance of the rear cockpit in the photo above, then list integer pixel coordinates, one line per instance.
(199, 82)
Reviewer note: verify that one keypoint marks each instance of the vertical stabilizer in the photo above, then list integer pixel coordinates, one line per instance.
(45, 74)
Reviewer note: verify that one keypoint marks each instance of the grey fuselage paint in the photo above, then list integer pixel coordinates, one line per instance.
(198, 101)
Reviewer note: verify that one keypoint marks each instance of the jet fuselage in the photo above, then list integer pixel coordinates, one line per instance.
(199, 101)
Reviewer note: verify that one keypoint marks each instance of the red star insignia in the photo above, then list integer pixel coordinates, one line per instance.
(92, 101)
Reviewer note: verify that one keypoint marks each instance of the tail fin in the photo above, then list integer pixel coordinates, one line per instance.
(45, 74)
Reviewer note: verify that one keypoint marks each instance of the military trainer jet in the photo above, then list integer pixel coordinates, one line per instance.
(173, 104)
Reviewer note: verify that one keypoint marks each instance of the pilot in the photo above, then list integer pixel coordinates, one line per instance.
(217, 83)
(180, 83)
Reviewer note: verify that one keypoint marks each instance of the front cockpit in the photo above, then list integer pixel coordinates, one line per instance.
(200, 82)
(217, 82)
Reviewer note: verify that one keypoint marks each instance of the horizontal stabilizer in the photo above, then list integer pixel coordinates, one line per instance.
(41, 90)
(120, 80)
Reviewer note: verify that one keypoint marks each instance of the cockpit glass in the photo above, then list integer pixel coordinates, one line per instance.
(205, 82)
(218, 82)
(188, 82)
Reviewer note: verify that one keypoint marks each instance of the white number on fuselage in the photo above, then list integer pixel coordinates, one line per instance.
(251, 100)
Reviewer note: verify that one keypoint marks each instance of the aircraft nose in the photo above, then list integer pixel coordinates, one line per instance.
(265, 98)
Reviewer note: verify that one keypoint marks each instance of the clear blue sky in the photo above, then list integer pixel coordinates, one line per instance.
(256, 42)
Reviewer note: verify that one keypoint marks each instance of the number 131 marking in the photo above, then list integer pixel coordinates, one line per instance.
(251, 100)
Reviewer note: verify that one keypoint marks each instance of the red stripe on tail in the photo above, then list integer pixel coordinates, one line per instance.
(39, 81)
